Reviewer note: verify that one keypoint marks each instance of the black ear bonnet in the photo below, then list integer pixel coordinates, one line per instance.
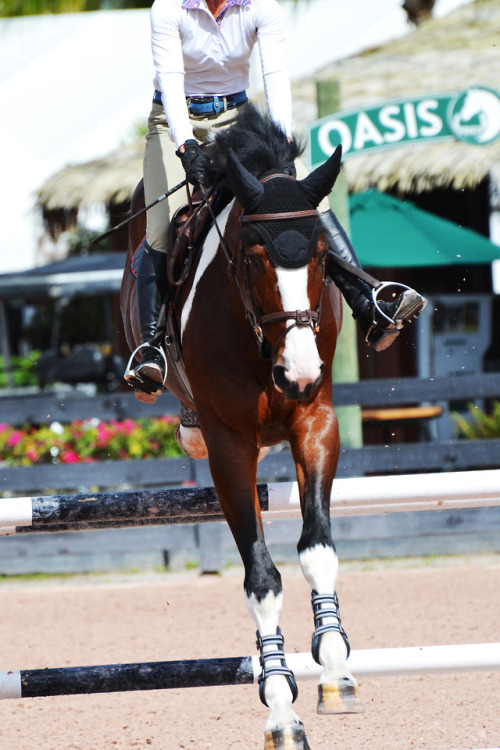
(290, 243)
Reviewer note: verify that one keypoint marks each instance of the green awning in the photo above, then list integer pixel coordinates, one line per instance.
(387, 232)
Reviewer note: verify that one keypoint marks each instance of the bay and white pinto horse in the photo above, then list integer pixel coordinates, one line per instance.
(258, 332)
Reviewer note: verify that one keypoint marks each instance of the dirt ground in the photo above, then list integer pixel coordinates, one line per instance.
(117, 619)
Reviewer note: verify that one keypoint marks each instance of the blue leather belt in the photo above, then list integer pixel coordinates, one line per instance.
(209, 105)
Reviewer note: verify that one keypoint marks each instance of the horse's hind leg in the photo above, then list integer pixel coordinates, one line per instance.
(315, 447)
(235, 484)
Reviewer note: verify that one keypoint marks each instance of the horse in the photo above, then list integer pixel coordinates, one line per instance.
(258, 322)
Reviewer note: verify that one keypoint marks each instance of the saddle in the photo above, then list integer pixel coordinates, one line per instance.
(184, 237)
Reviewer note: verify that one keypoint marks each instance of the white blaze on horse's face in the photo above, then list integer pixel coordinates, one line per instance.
(300, 359)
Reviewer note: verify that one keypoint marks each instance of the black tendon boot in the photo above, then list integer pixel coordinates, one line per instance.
(379, 322)
(151, 287)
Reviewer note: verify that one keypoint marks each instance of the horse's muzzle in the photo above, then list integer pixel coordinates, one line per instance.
(296, 390)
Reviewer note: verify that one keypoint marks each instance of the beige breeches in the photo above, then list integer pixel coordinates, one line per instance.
(163, 169)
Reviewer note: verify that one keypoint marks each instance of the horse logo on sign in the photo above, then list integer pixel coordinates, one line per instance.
(474, 115)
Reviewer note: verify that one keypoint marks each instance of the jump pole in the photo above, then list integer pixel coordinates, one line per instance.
(350, 496)
(110, 678)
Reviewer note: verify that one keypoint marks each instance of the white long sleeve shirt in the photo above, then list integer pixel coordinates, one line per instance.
(196, 55)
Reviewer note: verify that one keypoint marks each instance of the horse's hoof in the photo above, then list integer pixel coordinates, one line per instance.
(340, 698)
(289, 738)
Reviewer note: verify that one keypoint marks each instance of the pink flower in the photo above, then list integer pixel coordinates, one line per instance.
(103, 434)
(32, 455)
(170, 419)
(69, 457)
(14, 439)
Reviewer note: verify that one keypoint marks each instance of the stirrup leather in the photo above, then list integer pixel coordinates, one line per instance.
(277, 655)
(326, 605)
(144, 383)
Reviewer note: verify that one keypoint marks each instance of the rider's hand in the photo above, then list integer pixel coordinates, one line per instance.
(193, 160)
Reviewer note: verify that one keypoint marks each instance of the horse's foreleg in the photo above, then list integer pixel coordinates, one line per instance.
(235, 484)
(316, 455)
(337, 689)
(277, 686)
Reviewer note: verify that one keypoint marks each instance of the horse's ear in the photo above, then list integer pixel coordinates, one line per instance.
(247, 188)
(319, 183)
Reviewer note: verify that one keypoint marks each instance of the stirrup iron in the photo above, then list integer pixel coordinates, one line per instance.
(148, 346)
(377, 310)
(381, 321)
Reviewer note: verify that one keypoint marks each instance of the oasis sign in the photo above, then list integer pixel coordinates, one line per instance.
(472, 116)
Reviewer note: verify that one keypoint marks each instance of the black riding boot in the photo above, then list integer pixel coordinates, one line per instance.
(151, 288)
(379, 330)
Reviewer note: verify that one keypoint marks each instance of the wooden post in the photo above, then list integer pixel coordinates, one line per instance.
(4, 339)
(345, 366)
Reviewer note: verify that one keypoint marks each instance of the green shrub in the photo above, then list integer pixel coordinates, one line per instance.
(23, 370)
(479, 424)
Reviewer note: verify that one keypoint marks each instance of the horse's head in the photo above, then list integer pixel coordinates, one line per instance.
(472, 105)
(283, 258)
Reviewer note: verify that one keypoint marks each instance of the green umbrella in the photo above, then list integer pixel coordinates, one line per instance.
(387, 232)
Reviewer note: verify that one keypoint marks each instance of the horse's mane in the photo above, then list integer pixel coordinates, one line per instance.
(259, 144)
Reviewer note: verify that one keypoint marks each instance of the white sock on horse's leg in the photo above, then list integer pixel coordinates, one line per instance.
(277, 692)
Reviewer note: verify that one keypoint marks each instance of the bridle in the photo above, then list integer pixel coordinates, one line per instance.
(299, 318)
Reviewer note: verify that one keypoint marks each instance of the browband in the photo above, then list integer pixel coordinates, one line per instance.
(279, 217)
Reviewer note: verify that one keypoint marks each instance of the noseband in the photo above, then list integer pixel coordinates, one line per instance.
(299, 318)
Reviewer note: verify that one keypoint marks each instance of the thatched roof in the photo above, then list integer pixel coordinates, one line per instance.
(109, 179)
(448, 54)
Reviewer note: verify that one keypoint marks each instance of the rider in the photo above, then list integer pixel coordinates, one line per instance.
(201, 52)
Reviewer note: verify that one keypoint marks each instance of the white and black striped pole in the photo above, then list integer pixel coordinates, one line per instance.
(33, 683)
(349, 496)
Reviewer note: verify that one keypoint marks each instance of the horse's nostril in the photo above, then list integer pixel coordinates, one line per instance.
(280, 380)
